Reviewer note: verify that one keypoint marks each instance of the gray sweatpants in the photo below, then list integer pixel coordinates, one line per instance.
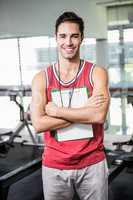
(90, 183)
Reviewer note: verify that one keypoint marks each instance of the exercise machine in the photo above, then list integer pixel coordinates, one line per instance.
(7, 136)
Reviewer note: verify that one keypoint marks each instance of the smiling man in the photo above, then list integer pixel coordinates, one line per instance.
(70, 100)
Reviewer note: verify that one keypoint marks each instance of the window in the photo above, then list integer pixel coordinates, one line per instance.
(88, 49)
(128, 48)
(120, 45)
(9, 75)
(36, 53)
(113, 56)
(9, 62)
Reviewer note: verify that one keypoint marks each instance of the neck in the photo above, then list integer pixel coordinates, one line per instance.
(68, 64)
(68, 71)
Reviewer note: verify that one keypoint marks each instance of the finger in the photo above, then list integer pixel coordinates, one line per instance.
(100, 102)
(97, 96)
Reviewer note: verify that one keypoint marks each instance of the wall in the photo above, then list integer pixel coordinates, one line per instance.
(37, 17)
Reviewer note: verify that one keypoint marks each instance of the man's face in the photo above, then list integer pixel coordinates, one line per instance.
(68, 39)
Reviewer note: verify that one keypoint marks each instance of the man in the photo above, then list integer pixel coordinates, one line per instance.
(70, 98)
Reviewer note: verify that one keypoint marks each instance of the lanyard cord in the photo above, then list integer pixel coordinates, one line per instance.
(72, 90)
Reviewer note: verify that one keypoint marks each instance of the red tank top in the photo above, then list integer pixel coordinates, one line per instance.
(73, 154)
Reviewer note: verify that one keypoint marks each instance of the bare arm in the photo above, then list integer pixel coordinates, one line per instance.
(40, 120)
(96, 108)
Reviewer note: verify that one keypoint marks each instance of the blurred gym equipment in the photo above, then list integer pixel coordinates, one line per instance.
(7, 142)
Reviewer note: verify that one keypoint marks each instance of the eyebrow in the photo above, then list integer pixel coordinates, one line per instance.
(73, 34)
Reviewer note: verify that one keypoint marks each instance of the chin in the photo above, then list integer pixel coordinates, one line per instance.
(70, 56)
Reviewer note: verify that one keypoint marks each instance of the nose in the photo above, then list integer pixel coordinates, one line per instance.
(68, 41)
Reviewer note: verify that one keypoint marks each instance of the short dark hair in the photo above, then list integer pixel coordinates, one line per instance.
(71, 17)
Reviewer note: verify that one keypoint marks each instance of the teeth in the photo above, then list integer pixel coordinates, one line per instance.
(69, 49)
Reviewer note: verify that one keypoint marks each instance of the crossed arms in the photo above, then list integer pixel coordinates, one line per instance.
(46, 116)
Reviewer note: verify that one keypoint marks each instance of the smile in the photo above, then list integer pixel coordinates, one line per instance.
(69, 50)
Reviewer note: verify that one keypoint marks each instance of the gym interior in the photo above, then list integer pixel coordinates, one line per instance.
(27, 45)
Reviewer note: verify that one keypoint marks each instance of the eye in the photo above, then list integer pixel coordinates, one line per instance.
(62, 35)
(75, 36)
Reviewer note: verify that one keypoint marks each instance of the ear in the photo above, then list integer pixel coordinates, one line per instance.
(82, 37)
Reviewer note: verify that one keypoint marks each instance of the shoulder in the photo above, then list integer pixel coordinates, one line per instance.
(99, 71)
(39, 79)
(95, 69)
(39, 76)
(100, 74)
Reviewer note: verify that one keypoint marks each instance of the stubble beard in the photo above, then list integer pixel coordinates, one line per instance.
(69, 56)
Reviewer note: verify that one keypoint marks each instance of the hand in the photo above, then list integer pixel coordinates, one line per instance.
(51, 109)
(96, 101)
